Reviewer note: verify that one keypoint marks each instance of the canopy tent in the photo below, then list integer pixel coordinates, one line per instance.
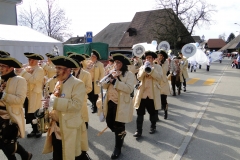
(86, 48)
(19, 39)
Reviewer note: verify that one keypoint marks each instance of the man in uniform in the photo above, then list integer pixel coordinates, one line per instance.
(67, 135)
(13, 90)
(148, 93)
(49, 67)
(96, 69)
(184, 70)
(85, 76)
(34, 75)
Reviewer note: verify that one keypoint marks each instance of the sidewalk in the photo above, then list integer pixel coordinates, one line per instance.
(217, 135)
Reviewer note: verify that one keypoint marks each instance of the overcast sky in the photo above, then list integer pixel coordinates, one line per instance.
(95, 15)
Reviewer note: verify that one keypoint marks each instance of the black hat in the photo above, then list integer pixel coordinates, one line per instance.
(78, 57)
(86, 55)
(150, 53)
(164, 53)
(96, 54)
(122, 58)
(177, 57)
(3, 53)
(64, 61)
(10, 61)
(111, 60)
(49, 55)
(34, 56)
(69, 53)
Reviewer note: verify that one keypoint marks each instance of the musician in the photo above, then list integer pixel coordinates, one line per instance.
(184, 70)
(67, 136)
(148, 93)
(165, 89)
(137, 63)
(175, 75)
(85, 76)
(34, 75)
(12, 95)
(118, 104)
(96, 69)
(110, 66)
(49, 67)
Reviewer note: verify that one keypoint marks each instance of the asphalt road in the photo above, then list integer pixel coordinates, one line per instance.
(203, 123)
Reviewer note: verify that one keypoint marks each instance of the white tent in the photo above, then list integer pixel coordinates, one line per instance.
(20, 39)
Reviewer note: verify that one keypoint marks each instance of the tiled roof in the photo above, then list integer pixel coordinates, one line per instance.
(216, 43)
(112, 34)
(143, 23)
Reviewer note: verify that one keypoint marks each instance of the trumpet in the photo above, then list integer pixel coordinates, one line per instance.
(148, 67)
(106, 79)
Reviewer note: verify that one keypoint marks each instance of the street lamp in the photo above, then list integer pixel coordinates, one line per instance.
(238, 25)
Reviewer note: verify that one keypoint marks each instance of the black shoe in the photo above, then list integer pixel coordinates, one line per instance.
(184, 90)
(29, 156)
(152, 130)
(174, 94)
(116, 153)
(137, 134)
(179, 92)
(32, 134)
(94, 109)
(38, 134)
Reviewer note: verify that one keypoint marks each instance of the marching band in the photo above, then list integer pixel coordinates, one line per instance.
(54, 96)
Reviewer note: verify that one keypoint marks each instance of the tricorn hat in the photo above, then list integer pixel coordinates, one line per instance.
(86, 55)
(122, 58)
(10, 61)
(69, 53)
(64, 61)
(49, 55)
(78, 57)
(150, 53)
(3, 53)
(164, 53)
(96, 54)
(34, 56)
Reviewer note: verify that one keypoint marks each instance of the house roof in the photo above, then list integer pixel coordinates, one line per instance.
(232, 44)
(143, 22)
(112, 34)
(197, 39)
(216, 43)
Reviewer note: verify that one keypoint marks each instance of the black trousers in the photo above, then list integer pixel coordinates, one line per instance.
(115, 126)
(93, 97)
(147, 104)
(164, 101)
(175, 81)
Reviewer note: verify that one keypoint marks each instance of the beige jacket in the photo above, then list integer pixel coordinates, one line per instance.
(13, 98)
(183, 69)
(72, 127)
(165, 88)
(125, 88)
(85, 76)
(157, 77)
(35, 88)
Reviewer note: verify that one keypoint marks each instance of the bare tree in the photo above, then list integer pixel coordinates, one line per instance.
(29, 18)
(49, 19)
(222, 36)
(179, 13)
(230, 37)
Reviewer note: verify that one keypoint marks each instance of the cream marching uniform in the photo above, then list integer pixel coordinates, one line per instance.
(148, 95)
(13, 90)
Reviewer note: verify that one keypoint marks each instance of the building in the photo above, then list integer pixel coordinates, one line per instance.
(122, 36)
(8, 11)
(214, 44)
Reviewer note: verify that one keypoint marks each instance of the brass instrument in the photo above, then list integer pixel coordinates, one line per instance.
(108, 77)
(148, 67)
(42, 115)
